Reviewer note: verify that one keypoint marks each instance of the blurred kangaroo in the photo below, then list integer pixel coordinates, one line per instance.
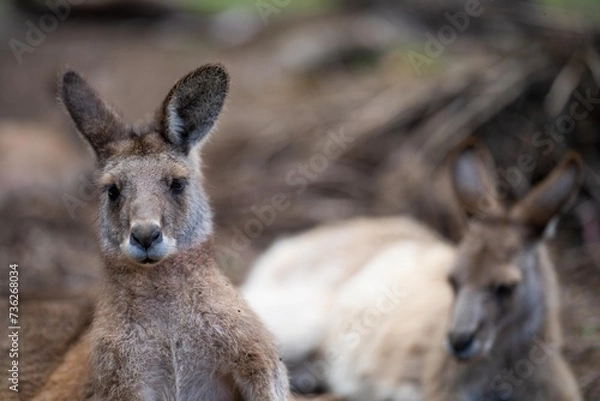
(168, 325)
(389, 311)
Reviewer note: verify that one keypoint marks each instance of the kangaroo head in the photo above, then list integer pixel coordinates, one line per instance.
(496, 278)
(152, 199)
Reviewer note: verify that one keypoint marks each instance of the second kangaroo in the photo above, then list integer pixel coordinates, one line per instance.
(375, 299)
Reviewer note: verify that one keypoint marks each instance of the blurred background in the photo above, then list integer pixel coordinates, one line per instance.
(337, 109)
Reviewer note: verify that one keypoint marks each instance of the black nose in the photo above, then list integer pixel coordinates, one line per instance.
(461, 342)
(145, 235)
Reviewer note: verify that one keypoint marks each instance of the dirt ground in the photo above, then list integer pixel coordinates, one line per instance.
(295, 86)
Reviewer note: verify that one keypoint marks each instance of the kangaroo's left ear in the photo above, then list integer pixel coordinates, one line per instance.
(550, 197)
(474, 180)
(193, 105)
(96, 121)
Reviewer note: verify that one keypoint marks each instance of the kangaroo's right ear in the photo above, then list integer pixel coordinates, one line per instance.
(550, 197)
(474, 180)
(192, 107)
(96, 121)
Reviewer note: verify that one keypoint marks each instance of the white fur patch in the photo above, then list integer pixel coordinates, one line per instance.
(176, 123)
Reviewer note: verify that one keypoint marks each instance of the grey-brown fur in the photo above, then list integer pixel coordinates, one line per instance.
(504, 339)
(168, 325)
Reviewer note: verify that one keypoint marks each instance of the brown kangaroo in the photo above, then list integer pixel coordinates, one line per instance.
(168, 325)
(504, 338)
(385, 324)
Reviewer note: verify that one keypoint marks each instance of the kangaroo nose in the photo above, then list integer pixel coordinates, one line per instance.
(461, 342)
(145, 235)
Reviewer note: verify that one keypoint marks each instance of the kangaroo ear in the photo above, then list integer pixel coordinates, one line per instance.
(552, 195)
(96, 121)
(474, 180)
(193, 105)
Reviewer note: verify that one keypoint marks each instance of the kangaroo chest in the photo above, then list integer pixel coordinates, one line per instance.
(176, 367)
(501, 383)
(175, 354)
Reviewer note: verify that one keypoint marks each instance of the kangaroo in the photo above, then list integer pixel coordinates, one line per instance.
(396, 313)
(168, 325)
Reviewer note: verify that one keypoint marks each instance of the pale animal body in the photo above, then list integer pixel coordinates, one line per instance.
(390, 311)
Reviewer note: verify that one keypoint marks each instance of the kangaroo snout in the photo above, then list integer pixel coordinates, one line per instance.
(461, 343)
(146, 243)
(145, 235)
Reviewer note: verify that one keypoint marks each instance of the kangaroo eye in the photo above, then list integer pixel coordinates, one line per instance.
(503, 291)
(178, 185)
(113, 192)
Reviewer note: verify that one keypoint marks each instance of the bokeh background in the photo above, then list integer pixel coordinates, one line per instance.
(390, 86)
